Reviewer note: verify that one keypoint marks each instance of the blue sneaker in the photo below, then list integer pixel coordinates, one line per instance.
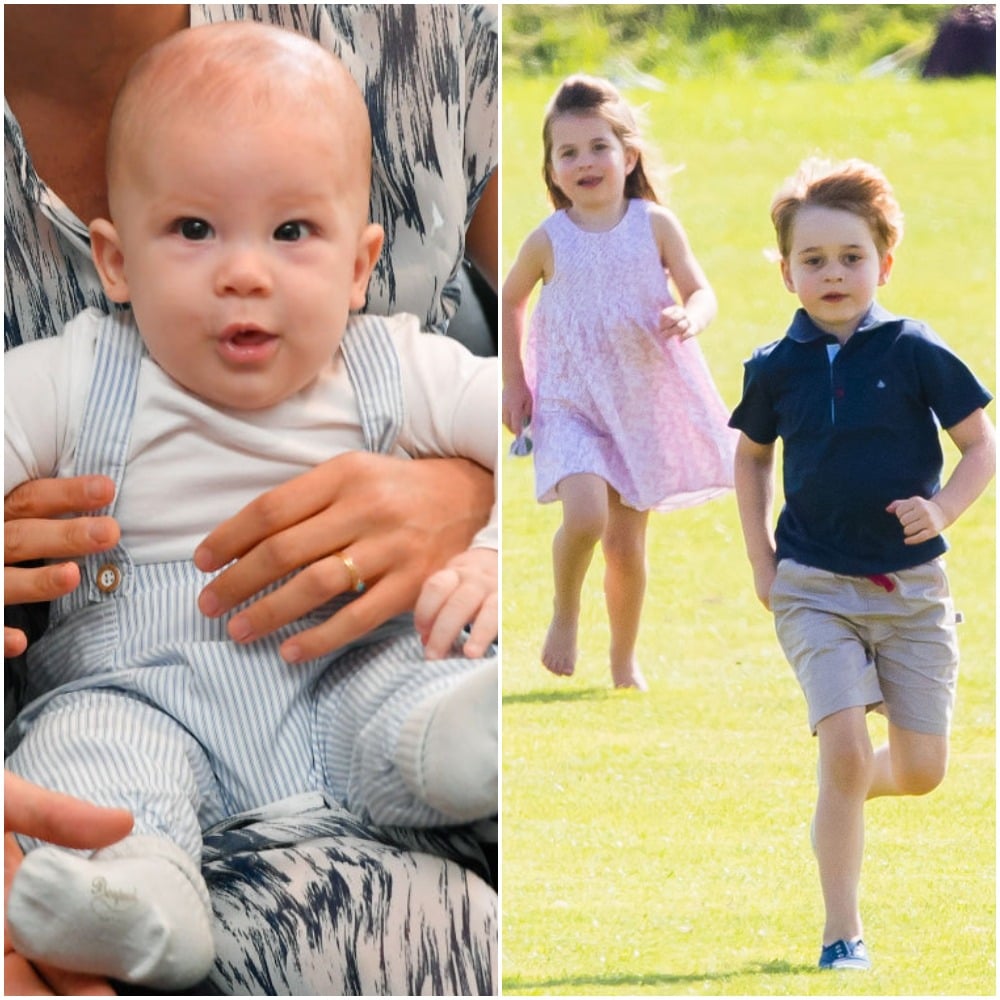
(845, 955)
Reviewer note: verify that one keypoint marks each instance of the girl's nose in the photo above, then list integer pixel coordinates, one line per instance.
(242, 271)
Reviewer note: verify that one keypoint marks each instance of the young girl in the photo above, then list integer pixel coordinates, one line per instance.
(625, 418)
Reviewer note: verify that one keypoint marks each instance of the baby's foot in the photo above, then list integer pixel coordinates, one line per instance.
(628, 675)
(137, 919)
(559, 651)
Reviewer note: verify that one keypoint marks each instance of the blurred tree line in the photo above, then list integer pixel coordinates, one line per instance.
(779, 40)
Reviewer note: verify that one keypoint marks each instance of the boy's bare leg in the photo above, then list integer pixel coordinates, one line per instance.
(846, 766)
(585, 514)
(910, 763)
(624, 545)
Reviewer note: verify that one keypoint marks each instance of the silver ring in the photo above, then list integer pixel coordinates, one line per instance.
(357, 584)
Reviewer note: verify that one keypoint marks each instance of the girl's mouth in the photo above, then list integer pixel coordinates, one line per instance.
(588, 182)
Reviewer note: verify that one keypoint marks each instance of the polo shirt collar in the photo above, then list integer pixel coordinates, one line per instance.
(803, 329)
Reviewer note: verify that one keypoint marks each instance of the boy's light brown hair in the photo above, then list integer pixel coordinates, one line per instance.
(850, 186)
(580, 95)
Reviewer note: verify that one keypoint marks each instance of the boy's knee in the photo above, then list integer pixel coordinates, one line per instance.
(921, 776)
(847, 767)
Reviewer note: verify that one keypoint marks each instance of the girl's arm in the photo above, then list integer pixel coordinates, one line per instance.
(533, 264)
(754, 478)
(699, 305)
(923, 519)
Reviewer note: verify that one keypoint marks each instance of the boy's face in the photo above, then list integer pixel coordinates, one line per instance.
(242, 246)
(589, 164)
(834, 267)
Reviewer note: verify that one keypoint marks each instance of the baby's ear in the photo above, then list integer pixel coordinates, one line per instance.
(105, 248)
(369, 248)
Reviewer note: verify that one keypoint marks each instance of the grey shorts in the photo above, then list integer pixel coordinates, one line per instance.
(854, 643)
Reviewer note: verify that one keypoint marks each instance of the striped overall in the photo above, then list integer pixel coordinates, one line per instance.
(140, 701)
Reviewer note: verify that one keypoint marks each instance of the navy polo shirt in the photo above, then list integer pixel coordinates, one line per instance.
(860, 427)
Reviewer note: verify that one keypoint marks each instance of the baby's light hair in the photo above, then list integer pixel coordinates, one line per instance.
(239, 69)
(850, 186)
(580, 95)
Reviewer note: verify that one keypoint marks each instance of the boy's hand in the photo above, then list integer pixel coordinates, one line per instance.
(463, 593)
(921, 519)
(764, 573)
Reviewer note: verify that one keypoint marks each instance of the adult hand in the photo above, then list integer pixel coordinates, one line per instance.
(397, 520)
(36, 527)
(59, 819)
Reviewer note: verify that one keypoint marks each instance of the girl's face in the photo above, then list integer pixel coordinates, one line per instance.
(589, 164)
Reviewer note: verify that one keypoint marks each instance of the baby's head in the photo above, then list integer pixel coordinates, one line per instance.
(582, 95)
(851, 186)
(239, 168)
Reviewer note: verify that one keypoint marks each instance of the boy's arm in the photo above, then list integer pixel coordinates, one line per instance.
(533, 264)
(924, 519)
(754, 478)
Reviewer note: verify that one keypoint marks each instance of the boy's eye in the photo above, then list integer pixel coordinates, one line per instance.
(193, 229)
(291, 231)
(852, 258)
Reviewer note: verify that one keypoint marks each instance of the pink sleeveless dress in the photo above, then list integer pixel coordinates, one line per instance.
(610, 396)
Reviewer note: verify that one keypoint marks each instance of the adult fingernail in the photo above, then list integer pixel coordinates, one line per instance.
(240, 629)
(209, 604)
(204, 559)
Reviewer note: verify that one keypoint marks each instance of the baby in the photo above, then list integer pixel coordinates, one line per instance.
(239, 161)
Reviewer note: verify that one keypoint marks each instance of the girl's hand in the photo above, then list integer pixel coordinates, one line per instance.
(675, 322)
(516, 406)
(36, 527)
(398, 520)
(463, 593)
(921, 519)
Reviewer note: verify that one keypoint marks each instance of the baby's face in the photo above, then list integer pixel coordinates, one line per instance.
(245, 245)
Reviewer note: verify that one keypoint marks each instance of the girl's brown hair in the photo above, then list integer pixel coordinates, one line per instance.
(582, 94)
(852, 186)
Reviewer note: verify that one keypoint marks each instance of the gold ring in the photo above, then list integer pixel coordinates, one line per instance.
(357, 584)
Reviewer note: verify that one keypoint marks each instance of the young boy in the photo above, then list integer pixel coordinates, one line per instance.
(239, 239)
(853, 571)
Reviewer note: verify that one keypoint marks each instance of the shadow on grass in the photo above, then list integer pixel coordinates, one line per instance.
(546, 697)
(511, 986)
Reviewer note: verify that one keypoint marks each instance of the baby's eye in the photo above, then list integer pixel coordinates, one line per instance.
(193, 229)
(291, 231)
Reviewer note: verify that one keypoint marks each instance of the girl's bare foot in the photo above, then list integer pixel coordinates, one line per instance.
(559, 651)
(629, 676)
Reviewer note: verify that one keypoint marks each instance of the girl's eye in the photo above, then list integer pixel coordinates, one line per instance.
(291, 231)
(193, 229)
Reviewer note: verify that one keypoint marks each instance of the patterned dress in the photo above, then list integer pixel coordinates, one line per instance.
(611, 396)
(308, 900)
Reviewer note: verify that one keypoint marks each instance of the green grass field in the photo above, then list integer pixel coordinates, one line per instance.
(658, 843)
